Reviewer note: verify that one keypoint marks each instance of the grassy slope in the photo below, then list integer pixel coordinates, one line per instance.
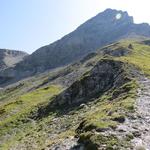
(19, 101)
(14, 115)
(140, 56)
(16, 128)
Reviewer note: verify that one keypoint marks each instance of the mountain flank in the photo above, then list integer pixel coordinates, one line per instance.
(103, 29)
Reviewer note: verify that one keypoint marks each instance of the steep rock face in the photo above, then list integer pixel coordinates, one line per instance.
(106, 74)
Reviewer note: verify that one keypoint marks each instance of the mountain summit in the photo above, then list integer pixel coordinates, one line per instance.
(111, 16)
(105, 28)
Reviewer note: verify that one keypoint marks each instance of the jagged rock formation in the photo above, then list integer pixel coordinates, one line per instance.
(101, 30)
(106, 74)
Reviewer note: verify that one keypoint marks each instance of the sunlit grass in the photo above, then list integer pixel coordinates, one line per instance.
(140, 56)
(23, 105)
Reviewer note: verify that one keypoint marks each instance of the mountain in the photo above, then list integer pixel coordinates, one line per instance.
(89, 90)
(99, 31)
(9, 58)
(98, 102)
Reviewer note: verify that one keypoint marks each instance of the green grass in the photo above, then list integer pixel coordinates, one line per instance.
(92, 141)
(14, 119)
(26, 102)
(140, 56)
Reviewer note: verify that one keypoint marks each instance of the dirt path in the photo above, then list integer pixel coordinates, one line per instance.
(143, 111)
(138, 124)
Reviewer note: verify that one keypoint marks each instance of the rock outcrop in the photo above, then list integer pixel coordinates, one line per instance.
(106, 75)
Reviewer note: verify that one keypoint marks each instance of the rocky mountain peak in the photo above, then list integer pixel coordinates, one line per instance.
(116, 15)
(109, 18)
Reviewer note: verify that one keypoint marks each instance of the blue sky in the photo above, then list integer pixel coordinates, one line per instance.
(29, 24)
